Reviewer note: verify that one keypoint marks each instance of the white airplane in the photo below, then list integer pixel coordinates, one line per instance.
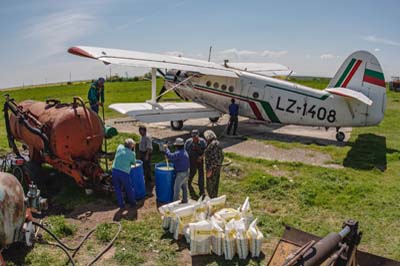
(355, 97)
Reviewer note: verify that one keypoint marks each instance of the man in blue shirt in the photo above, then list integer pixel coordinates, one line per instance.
(96, 94)
(233, 119)
(124, 157)
(195, 147)
(180, 159)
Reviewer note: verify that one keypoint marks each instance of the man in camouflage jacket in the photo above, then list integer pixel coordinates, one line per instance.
(214, 158)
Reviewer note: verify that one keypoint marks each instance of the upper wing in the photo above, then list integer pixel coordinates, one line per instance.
(139, 59)
(350, 94)
(267, 69)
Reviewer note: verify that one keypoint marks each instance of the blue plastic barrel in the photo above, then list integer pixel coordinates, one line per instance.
(137, 176)
(164, 182)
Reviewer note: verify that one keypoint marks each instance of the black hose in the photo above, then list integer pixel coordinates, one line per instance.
(66, 248)
(10, 137)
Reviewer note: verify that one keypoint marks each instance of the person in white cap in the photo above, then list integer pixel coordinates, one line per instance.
(180, 159)
(195, 147)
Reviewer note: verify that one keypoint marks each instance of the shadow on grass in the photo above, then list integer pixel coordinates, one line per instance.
(368, 152)
(199, 260)
(220, 260)
(16, 253)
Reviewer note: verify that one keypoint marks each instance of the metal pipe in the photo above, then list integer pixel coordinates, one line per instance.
(322, 250)
(345, 231)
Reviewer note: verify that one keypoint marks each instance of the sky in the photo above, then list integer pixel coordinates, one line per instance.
(310, 37)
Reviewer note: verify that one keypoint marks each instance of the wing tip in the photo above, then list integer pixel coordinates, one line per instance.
(80, 52)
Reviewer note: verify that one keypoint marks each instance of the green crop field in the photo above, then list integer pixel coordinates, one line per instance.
(311, 198)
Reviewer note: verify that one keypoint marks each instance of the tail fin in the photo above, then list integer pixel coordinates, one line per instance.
(362, 72)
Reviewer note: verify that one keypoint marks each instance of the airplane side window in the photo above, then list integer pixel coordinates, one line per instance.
(255, 95)
(208, 83)
(223, 87)
(216, 85)
(231, 88)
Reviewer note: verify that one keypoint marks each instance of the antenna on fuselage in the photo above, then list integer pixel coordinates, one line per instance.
(209, 54)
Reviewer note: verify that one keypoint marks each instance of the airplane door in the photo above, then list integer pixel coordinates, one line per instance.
(254, 92)
(245, 85)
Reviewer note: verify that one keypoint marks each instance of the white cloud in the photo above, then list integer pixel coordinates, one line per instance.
(327, 56)
(274, 54)
(238, 53)
(374, 39)
(235, 54)
(54, 33)
(377, 50)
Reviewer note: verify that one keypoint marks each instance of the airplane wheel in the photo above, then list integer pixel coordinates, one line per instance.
(214, 119)
(177, 125)
(340, 136)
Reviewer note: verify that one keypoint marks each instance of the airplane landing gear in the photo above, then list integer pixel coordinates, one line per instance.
(340, 135)
(214, 119)
(177, 125)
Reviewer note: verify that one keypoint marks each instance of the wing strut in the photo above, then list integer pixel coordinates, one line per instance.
(174, 87)
(153, 85)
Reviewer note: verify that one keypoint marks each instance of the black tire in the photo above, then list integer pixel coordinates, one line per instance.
(33, 171)
(340, 136)
(19, 173)
(177, 125)
(214, 119)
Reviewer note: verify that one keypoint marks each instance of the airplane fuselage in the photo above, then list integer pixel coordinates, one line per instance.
(276, 101)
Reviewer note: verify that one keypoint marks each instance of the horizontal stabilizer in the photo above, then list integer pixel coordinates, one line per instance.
(350, 94)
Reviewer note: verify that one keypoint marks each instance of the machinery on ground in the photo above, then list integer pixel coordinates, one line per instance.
(68, 136)
(15, 212)
(394, 84)
(298, 248)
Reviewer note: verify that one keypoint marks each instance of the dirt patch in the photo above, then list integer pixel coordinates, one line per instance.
(256, 149)
(247, 127)
(250, 129)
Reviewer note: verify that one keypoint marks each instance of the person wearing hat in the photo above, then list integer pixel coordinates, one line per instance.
(180, 159)
(96, 95)
(124, 157)
(145, 151)
(214, 158)
(195, 147)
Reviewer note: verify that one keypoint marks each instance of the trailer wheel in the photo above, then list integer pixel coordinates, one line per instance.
(32, 172)
(177, 125)
(18, 172)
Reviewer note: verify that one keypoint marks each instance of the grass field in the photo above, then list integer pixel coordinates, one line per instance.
(311, 198)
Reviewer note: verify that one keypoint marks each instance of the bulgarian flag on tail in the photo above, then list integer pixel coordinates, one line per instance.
(348, 73)
(374, 77)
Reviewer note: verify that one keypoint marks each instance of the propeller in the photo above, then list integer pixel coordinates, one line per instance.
(164, 89)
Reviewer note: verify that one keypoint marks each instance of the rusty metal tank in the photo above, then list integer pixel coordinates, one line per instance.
(73, 131)
(12, 209)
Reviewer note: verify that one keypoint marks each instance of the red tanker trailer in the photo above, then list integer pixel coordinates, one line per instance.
(67, 136)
